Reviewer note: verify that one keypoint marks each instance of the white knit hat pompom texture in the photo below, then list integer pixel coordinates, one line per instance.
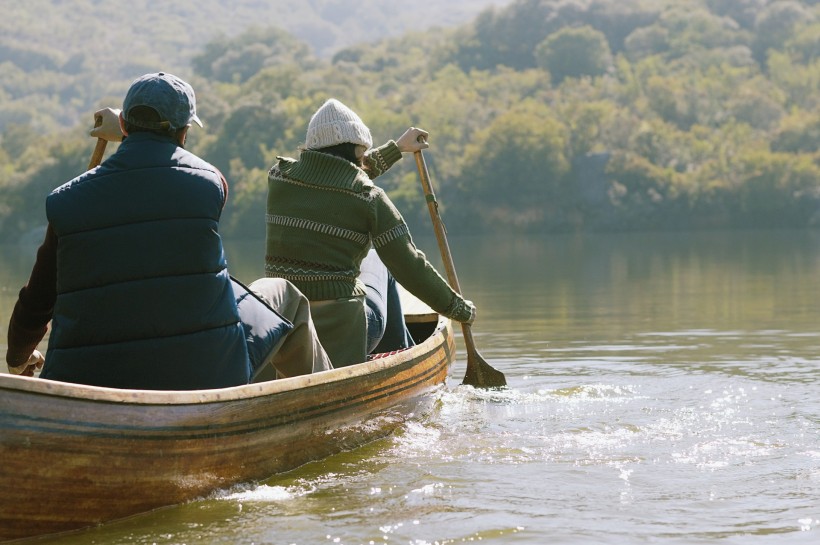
(334, 123)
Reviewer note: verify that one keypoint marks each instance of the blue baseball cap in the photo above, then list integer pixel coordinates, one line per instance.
(172, 98)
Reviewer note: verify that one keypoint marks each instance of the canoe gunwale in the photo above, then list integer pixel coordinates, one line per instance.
(53, 388)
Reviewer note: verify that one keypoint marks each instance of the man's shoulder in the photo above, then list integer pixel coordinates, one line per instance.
(74, 182)
(193, 160)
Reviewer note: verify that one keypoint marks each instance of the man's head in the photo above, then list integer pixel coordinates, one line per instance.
(159, 102)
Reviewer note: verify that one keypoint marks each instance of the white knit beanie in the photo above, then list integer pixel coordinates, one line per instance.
(334, 123)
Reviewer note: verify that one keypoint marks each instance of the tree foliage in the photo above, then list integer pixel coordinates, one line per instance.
(574, 53)
(515, 171)
(237, 60)
(544, 115)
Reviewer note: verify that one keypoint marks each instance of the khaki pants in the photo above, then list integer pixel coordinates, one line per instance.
(350, 328)
(342, 327)
(300, 352)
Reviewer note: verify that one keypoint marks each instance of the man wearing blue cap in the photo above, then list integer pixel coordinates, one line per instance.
(132, 274)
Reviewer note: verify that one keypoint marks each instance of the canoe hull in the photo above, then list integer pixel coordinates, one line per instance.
(73, 456)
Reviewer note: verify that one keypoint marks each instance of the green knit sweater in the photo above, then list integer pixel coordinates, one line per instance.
(323, 215)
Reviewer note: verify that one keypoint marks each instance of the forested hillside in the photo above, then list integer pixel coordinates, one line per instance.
(59, 58)
(545, 116)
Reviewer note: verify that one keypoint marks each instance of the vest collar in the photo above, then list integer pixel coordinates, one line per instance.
(143, 136)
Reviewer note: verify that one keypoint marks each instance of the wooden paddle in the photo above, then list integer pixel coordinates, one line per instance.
(99, 149)
(479, 373)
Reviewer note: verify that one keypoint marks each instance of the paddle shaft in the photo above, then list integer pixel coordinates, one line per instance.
(99, 149)
(441, 237)
(479, 372)
(97, 155)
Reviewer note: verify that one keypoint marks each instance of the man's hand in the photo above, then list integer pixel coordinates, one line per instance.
(35, 361)
(107, 125)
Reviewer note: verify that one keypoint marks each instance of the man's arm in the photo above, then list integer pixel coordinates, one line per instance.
(224, 188)
(34, 307)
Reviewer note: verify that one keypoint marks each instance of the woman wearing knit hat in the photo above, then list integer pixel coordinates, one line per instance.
(326, 221)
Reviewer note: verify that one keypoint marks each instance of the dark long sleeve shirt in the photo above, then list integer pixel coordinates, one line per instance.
(35, 304)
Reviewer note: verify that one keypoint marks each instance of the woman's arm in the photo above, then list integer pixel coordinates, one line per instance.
(379, 160)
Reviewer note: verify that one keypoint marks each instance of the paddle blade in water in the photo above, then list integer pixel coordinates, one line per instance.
(481, 374)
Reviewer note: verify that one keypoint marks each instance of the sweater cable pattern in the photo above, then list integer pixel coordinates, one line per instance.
(331, 230)
(398, 231)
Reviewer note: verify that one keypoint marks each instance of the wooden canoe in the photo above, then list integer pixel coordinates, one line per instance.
(73, 456)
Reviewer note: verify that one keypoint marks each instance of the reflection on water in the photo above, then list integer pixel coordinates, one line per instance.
(656, 282)
(663, 389)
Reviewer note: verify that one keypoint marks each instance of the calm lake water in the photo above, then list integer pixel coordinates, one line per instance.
(662, 389)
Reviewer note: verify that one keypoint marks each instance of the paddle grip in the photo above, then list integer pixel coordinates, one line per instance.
(99, 149)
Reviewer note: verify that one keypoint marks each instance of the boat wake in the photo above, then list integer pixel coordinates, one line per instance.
(260, 493)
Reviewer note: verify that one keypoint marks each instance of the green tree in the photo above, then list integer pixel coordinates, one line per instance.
(574, 52)
(742, 11)
(805, 45)
(776, 24)
(244, 214)
(758, 103)
(246, 135)
(798, 133)
(617, 20)
(685, 30)
(516, 172)
(587, 122)
(237, 60)
(693, 30)
(17, 138)
(801, 82)
(42, 168)
(646, 41)
(505, 37)
(777, 190)
(644, 194)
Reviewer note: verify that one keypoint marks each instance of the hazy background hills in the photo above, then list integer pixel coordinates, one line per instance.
(544, 115)
(60, 58)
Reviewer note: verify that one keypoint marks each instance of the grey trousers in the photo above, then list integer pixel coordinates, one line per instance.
(299, 352)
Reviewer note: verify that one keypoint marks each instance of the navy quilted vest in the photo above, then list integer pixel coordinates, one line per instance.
(144, 299)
